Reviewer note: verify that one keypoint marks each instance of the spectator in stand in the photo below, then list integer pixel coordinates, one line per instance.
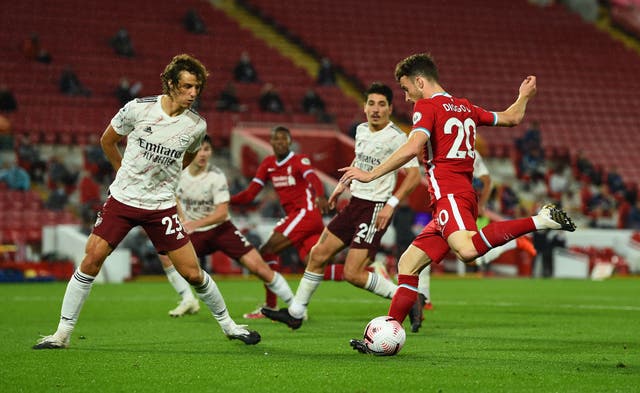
(326, 73)
(121, 43)
(228, 100)
(126, 92)
(602, 209)
(531, 137)
(584, 167)
(270, 100)
(244, 71)
(532, 164)
(615, 182)
(33, 51)
(7, 100)
(193, 22)
(71, 85)
(15, 177)
(89, 194)
(60, 173)
(633, 219)
(98, 164)
(29, 158)
(58, 198)
(559, 180)
(312, 103)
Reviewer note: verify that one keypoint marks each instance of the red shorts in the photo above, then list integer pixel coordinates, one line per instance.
(163, 227)
(303, 228)
(355, 225)
(225, 237)
(451, 214)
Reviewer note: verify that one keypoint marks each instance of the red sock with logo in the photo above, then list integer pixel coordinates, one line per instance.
(500, 232)
(404, 298)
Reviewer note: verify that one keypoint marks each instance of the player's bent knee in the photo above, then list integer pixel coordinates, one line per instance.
(318, 257)
(467, 255)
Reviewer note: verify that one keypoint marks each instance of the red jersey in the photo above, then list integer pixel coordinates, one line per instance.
(450, 123)
(289, 179)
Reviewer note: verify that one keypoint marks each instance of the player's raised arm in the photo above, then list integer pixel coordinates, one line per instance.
(513, 115)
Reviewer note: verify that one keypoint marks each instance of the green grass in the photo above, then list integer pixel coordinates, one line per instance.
(484, 335)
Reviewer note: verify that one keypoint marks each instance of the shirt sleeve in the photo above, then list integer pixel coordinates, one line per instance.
(485, 117)
(424, 117)
(124, 121)
(197, 141)
(220, 189)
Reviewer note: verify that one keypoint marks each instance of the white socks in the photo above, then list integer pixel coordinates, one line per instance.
(424, 282)
(308, 285)
(77, 291)
(496, 252)
(380, 286)
(209, 293)
(281, 288)
(179, 283)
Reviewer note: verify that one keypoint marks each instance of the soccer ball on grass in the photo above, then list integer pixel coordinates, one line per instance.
(384, 336)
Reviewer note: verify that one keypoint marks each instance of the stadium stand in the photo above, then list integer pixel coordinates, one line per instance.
(56, 118)
(586, 84)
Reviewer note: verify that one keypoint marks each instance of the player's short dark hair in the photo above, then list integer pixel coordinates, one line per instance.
(281, 129)
(207, 139)
(380, 88)
(420, 64)
(181, 63)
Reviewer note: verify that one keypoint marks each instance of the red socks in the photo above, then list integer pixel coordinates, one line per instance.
(404, 298)
(500, 232)
(334, 272)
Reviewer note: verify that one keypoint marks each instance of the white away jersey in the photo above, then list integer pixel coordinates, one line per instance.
(479, 167)
(372, 148)
(152, 159)
(199, 195)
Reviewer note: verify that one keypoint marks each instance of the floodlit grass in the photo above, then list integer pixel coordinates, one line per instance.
(484, 335)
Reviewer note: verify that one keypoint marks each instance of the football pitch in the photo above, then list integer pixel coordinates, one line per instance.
(484, 335)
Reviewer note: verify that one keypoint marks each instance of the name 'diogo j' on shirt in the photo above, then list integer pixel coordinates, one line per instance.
(152, 159)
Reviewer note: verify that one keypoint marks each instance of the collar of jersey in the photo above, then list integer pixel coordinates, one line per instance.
(445, 94)
(280, 163)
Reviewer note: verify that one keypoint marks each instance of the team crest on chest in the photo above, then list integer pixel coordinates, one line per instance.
(184, 140)
(416, 117)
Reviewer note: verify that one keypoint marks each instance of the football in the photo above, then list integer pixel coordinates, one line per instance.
(384, 336)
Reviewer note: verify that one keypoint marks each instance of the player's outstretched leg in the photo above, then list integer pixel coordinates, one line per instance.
(282, 315)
